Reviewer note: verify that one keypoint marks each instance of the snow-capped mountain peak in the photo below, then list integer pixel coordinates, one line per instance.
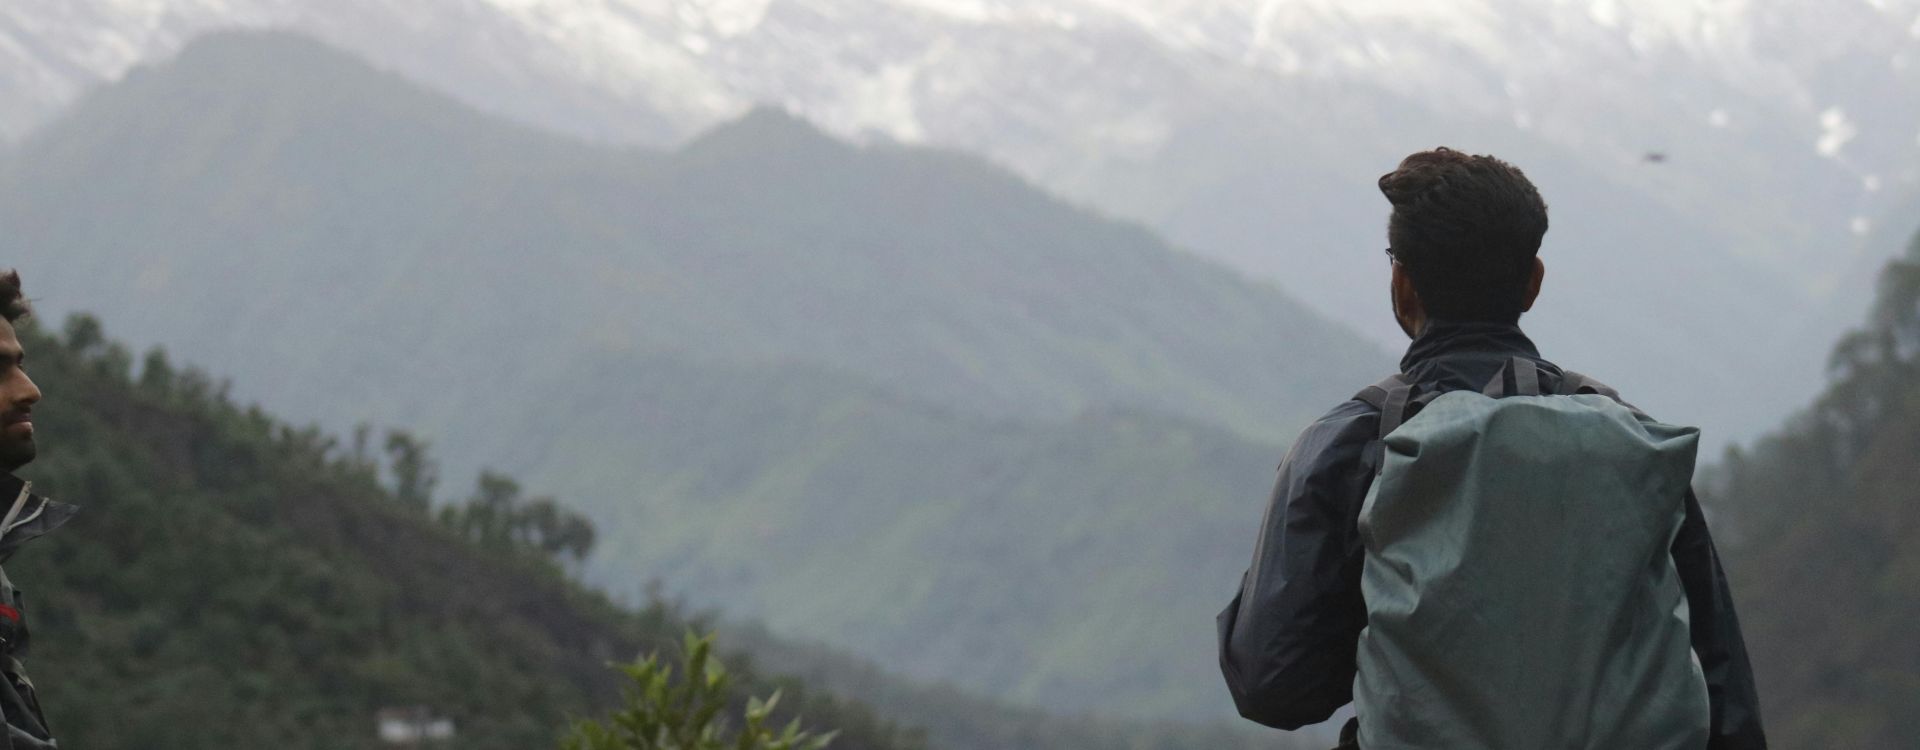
(1200, 117)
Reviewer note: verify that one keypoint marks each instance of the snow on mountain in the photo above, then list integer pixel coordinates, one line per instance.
(1056, 88)
(1709, 161)
(699, 61)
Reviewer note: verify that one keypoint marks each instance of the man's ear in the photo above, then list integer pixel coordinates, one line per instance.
(1408, 310)
(1533, 285)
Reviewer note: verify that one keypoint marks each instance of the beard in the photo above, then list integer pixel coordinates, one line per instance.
(16, 452)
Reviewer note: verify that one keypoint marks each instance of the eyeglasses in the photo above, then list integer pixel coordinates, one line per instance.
(1391, 258)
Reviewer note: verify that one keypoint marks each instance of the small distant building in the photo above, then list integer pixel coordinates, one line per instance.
(412, 726)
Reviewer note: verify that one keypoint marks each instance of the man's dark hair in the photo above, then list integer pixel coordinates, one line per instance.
(13, 305)
(1467, 229)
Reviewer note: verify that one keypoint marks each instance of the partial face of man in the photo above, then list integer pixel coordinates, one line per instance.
(18, 394)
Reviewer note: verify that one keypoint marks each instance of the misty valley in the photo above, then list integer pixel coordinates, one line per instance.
(378, 400)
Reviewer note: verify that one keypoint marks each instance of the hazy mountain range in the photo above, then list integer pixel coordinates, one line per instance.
(1714, 168)
(892, 399)
(763, 337)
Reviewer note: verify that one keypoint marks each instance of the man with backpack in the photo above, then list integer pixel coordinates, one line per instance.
(1486, 551)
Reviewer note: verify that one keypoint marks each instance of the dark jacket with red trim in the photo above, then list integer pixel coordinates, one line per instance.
(26, 725)
(1288, 639)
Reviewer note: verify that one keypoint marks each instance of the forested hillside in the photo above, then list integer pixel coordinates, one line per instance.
(1820, 521)
(236, 582)
(891, 399)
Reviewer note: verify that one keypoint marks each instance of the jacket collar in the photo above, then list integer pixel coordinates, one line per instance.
(1457, 354)
(37, 516)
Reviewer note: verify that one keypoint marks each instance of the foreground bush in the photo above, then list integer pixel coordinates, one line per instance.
(663, 713)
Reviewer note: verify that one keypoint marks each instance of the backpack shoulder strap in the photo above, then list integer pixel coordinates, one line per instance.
(1525, 376)
(1397, 398)
(1573, 384)
(1391, 397)
(1376, 395)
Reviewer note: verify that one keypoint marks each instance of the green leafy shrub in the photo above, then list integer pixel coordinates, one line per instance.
(663, 713)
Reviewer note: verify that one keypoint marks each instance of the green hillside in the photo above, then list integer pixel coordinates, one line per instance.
(236, 582)
(1822, 518)
(975, 425)
(233, 582)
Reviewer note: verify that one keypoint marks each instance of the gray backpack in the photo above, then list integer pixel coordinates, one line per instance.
(1521, 593)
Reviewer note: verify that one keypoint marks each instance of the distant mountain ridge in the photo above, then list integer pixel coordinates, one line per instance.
(979, 426)
(826, 236)
(1246, 131)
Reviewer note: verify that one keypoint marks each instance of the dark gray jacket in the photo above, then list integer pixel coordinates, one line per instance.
(26, 726)
(1287, 640)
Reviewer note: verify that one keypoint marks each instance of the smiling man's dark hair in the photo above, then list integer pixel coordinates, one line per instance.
(1467, 229)
(13, 304)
